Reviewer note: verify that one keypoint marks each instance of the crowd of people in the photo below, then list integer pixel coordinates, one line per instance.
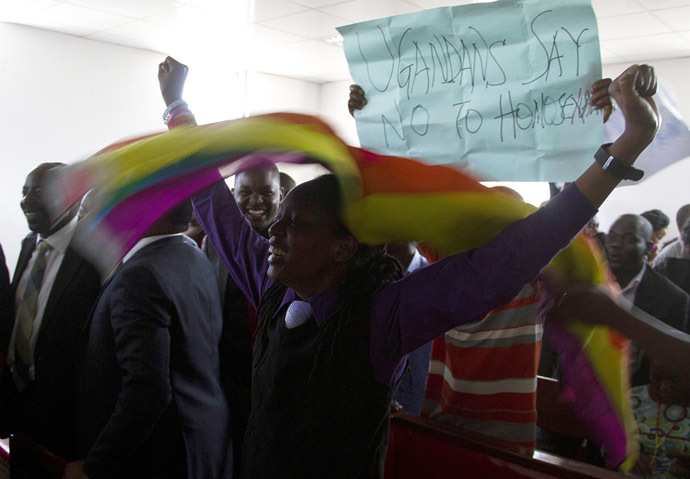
(267, 341)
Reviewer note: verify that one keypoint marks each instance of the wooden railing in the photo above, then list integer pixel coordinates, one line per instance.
(423, 448)
(419, 448)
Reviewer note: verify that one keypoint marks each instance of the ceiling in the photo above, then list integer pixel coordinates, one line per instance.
(290, 37)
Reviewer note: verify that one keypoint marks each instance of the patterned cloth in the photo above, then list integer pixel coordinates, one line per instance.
(668, 425)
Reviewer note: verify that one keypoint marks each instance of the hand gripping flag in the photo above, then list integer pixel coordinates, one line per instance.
(385, 199)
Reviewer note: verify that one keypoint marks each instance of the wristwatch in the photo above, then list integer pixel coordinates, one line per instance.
(616, 168)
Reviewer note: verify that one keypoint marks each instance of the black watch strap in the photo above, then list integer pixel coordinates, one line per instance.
(615, 167)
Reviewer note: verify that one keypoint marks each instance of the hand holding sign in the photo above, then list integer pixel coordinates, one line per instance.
(357, 100)
(601, 98)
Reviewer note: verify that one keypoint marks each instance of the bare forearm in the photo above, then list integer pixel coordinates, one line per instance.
(577, 301)
(659, 340)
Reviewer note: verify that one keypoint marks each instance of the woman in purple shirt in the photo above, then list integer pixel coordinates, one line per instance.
(335, 320)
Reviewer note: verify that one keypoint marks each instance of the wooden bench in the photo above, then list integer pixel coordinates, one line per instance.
(418, 448)
(423, 448)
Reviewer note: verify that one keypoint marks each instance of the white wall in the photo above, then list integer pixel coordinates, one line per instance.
(64, 97)
(61, 99)
(334, 111)
(667, 190)
(269, 93)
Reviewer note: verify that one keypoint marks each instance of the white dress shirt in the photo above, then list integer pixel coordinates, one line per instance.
(630, 291)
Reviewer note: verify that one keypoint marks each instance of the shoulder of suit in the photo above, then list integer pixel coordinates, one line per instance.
(73, 254)
(663, 281)
(30, 237)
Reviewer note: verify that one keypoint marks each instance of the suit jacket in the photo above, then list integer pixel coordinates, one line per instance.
(239, 327)
(6, 304)
(149, 393)
(658, 296)
(665, 301)
(677, 270)
(45, 409)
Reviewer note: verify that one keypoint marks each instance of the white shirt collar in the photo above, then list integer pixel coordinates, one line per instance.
(417, 261)
(143, 242)
(632, 285)
(61, 239)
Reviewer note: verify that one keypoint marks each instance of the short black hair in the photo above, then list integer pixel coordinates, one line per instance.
(657, 218)
(181, 215)
(682, 215)
(265, 165)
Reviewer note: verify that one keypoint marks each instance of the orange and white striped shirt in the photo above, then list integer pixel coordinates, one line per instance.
(483, 375)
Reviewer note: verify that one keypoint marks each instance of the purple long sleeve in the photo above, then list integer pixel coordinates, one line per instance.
(462, 288)
(410, 312)
(243, 250)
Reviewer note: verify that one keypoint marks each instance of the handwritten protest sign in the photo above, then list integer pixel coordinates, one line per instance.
(501, 88)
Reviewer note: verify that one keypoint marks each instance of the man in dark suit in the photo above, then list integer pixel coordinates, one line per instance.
(6, 303)
(54, 289)
(258, 192)
(149, 396)
(627, 245)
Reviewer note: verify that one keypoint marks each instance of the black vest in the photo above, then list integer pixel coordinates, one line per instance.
(317, 409)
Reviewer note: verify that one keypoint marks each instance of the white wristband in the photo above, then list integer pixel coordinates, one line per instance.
(171, 107)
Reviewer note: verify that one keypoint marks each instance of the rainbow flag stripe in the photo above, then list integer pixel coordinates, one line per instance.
(385, 199)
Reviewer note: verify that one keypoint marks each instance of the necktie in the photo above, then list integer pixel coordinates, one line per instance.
(26, 314)
(297, 314)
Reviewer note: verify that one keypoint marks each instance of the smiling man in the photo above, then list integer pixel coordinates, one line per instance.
(257, 193)
(54, 289)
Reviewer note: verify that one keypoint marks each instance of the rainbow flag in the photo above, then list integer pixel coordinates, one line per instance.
(385, 199)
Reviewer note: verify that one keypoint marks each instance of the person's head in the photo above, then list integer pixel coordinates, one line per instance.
(33, 203)
(685, 233)
(312, 250)
(310, 246)
(286, 183)
(177, 220)
(668, 387)
(659, 222)
(257, 193)
(592, 227)
(682, 216)
(628, 243)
